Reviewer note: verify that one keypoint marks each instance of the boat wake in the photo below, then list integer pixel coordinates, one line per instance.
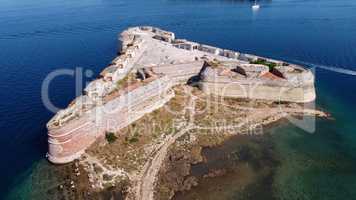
(330, 68)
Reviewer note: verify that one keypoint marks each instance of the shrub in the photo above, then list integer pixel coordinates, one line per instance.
(110, 137)
(133, 139)
(270, 65)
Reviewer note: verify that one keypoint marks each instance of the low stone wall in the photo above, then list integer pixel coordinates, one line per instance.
(68, 142)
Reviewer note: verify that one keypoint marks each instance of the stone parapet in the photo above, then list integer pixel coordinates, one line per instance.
(262, 85)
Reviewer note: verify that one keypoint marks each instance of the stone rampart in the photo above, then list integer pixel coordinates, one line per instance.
(68, 142)
(299, 88)
(131, 48)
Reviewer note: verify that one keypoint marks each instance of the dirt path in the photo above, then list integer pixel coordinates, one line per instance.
(146, 180)
(145, 189)
(146, 184)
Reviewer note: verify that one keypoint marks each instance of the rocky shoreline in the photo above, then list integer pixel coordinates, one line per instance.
(213, 158)
(75, 184)
(140, 129)
(164, 154)
(186, 166)
(175, 174)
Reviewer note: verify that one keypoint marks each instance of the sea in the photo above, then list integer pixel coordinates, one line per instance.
(38, 37)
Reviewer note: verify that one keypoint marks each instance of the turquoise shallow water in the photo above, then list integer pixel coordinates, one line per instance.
(298, 164)
(37, 37)
(319, 165)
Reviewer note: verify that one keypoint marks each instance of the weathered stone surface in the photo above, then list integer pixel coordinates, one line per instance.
(257, 82)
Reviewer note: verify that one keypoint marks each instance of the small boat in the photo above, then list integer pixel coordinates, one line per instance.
(255, 6)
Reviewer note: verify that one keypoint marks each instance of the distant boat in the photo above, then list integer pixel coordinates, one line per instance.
(255, 6)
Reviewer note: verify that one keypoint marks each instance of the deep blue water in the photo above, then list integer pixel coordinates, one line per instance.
(37, 37)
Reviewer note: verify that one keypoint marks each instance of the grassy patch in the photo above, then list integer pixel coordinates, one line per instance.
(270, 65)
(132, 139)
(129, 79)
(214, 64)
(122, 81)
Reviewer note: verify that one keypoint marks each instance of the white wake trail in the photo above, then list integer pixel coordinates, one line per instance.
(330, 68)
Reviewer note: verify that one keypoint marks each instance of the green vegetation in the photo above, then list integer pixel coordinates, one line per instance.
(270, 65)
(122, 83)
(110, 137)
(134, 137)
(133, 140)
(129, 79)
(214, 64)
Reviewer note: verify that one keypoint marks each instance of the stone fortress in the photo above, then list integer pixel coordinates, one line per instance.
(141, 78)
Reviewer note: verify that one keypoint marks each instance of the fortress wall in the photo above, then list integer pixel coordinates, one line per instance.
(301, 89)
(180, 73)
(121, 118)
(95, 90)
(169, 37)
(159, 34)
(209, 49)
(70, 140)
(259, 91)
(298, 80)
